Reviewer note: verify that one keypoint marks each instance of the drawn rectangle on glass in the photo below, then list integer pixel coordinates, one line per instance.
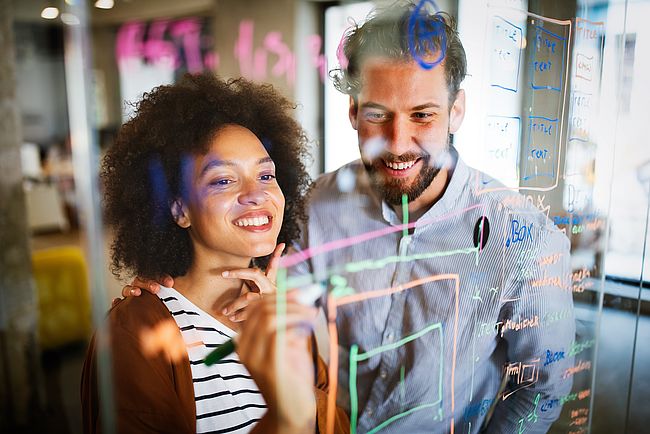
(580, 115)
(506, 54)
(542, 150)
(584, 66)
(521, 375)
(355, 358)
(548, 60)
(335, 303)
(502, 138)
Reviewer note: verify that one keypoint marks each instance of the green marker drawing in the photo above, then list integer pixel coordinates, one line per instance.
(405, 215)
(355, 358)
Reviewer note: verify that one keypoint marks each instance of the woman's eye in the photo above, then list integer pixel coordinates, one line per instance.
(223, 181)
(267, 177)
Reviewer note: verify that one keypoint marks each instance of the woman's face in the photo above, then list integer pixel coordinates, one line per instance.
(235, 205)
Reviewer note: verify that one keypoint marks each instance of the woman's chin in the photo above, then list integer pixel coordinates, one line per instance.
(262, 250)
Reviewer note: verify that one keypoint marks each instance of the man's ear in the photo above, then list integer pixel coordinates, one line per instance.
(353, 111)
(180, 214)
(457, 112)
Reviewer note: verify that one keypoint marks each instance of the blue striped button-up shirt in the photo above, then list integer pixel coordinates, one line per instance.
(438, 328)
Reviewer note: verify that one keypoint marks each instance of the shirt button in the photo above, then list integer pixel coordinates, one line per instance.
(389, 336)
(369, 411)
(383, 374)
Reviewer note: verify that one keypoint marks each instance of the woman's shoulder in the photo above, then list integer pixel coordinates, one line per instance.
(136, 313)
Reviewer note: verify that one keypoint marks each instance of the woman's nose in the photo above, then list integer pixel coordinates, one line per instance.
(252, 195)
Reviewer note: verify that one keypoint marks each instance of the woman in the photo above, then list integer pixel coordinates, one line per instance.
(191, 190)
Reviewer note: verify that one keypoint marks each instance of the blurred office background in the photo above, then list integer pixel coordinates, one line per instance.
(68, 73)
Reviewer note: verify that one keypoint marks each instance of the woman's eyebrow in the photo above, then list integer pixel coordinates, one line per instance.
(215, 163)
(220, 163)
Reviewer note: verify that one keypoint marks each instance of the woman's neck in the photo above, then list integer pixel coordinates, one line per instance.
(204, 285)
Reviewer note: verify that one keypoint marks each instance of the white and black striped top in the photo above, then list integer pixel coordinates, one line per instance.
(227, 398)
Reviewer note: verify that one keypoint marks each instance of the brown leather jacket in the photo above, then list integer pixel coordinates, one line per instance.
(153, 391)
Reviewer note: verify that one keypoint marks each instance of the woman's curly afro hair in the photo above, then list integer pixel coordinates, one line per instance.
(142, 171)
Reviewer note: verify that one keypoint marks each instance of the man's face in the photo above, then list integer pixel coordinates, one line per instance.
(403, 120)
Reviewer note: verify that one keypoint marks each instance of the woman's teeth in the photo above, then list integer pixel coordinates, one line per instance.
(255, 221)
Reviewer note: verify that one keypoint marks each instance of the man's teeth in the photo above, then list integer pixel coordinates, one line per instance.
(255, 221)
(399, 166)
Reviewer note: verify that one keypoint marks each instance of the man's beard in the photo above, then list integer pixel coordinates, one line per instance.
(392, 189)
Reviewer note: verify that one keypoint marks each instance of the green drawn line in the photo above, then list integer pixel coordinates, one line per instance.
(373, 264)
(387, 422)
(365, 356)
(354, 267)
(281, 311)
(405, 215)
(354, 400)
(355, 357)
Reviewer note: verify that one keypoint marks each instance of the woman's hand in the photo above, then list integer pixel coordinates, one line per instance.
(274, 350)
(256, 284)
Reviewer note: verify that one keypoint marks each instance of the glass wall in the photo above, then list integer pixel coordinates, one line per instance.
(552, 136)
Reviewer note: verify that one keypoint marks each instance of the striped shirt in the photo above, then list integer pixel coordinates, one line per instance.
(428, 325)
(227, 399)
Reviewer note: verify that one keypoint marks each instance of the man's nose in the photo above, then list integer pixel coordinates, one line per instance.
(252, 194)
(398, 136)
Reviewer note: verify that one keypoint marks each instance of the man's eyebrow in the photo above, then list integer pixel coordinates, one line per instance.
(373, 105)
(426, 106)
(219, 163)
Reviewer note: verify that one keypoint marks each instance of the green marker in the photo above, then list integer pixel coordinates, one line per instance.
(220, 352)
(306, 296)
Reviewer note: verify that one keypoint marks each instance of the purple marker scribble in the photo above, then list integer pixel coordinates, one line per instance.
(318, 60)
(190, 32)
(129, 42)
(285, 64)
(243, 50)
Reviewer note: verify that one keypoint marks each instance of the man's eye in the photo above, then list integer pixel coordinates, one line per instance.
(421, 116)
(374, 116)
(267, 177)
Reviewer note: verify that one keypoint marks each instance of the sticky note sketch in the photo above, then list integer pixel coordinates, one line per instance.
(527, 72)
(548, 62)
(505, 55)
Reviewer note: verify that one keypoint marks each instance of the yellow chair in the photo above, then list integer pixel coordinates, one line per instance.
(64, 302)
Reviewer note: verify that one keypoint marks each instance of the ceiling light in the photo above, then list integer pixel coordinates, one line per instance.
(50, 12)
(69, 19)
(104, 4)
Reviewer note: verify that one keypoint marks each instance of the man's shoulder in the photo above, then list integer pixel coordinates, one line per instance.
(518, 206)
(349, 178)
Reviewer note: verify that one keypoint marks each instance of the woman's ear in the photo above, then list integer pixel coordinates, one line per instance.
(180, 214)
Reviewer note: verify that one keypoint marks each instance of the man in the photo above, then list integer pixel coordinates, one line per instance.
(492, 334)
(466, 350)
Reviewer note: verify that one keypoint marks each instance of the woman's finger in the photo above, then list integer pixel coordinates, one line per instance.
(274, 263)
(254, 275)
(240, 302)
